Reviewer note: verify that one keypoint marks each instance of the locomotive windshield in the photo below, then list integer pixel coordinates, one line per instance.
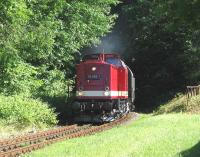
(114, 61)
(91, 57)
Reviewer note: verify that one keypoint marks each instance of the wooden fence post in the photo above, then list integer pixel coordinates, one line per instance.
(192, 91)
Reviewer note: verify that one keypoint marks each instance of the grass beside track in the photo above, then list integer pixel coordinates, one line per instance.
(169, 135)
(181, 104)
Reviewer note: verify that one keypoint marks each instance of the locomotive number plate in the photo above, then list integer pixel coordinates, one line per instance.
(93, 77)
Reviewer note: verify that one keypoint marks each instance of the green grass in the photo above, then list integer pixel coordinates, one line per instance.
(171, 135)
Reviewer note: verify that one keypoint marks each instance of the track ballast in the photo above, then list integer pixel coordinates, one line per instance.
(23, 144)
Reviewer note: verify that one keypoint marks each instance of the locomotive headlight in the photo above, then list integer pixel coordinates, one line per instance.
(94, 68)
(79, 93)
(106, 93)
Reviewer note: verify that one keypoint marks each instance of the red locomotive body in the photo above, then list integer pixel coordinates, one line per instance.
(98, 79)
(102, 88)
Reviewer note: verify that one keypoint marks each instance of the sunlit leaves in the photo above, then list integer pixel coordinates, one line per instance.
(47, 33)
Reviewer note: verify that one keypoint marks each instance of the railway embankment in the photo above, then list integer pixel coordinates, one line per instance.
(181, 104)
(167, 135)
(173, 130)
(19, 115)
(27, 143)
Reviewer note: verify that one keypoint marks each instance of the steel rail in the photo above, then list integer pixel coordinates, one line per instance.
(28, 143)
(31, 137)
(38, 138)
(42, 133)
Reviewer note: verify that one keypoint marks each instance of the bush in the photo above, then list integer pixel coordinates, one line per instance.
(54, 83)
(180, 104)
(22, 112)
(18, 78)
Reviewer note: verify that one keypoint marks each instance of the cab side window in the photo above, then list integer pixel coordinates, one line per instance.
(114, 61)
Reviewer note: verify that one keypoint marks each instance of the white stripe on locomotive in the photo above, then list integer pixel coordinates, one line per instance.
(101, 93)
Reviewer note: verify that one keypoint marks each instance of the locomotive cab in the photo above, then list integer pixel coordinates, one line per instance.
(102, 88)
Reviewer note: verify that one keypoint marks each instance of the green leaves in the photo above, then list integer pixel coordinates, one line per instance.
(163, 40)
(47, 33)
(19, 78)
(39, 43)
(21, 112)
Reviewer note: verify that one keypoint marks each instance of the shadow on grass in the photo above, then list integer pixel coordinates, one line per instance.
(191, 152)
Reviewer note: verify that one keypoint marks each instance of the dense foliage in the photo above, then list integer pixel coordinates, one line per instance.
(21, 112)
(40, 39)
(39, 45)
(163, 37)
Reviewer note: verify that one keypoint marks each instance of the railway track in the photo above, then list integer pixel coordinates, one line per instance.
(27, 143)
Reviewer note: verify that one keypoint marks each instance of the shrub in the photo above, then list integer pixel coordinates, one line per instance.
(180, 104)
(18, 78)
(21, 112)
(54, 83)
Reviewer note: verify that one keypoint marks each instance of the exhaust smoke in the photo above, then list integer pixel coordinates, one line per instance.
(112, 43)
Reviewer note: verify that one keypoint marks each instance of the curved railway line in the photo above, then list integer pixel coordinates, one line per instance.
(23, 144)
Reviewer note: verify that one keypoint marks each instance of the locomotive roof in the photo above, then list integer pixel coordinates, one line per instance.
(103, 53)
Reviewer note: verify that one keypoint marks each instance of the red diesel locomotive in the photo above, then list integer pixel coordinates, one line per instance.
(105, 88)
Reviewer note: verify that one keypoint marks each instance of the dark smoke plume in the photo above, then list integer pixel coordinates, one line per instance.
(111, 43)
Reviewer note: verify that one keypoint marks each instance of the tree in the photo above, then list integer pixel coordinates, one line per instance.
(160, 36)
(47, 34)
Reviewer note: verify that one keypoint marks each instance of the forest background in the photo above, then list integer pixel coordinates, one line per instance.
(42, 40)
